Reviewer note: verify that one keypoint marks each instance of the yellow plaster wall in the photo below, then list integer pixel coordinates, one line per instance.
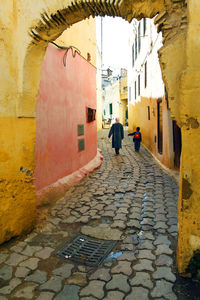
(138, 116)
(188, 209)
(17, 193)
(17, 135)
(8, 78)
(189, 221)
(123, 88)
(122, 111)
(82, 35)
(123, 91)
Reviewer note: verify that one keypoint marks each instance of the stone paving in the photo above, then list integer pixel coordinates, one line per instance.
(129, 199)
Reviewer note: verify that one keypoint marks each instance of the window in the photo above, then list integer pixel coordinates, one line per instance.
(126, 115)
(148, 112)
(135, 47)
(135, 90)
(160, 126)
(177, 144)
(129, 96)
(133, 54)
(88, 56)
(138, 85)
(139, 37)
(145, 74)
(144, 25)
(166, 98)
(80, 129)
(91, 114)
(110, 108)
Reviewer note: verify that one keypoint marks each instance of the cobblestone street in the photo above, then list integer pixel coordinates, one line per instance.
(129, 199)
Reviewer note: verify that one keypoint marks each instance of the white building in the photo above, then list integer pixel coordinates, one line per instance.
(111, 101)
(145, 78)
(148, 103)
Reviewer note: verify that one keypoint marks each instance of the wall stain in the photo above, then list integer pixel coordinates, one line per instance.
(194, 265)
(192, 122)
(186, 189)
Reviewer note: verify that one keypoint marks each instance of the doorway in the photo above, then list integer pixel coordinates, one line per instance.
(160, 126)
(177, 144)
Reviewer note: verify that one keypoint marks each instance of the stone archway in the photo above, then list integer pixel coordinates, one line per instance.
(180, 64)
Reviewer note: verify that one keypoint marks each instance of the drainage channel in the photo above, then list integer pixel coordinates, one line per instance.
(85, 250)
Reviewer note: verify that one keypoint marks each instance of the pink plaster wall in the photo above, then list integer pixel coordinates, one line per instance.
(64, 94)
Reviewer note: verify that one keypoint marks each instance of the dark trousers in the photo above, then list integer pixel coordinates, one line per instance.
(117, 150)
(137, 145)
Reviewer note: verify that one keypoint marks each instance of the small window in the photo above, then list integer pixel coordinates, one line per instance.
(110, 108)
(166, 98)
(136, 48)
(138, 85)
(139, 37)
(91, 114)
(81, 145)
(160, 126)
(80, 129)
(133, 54)
(145, 74)
(135, 90)
(148, 111)
(144, 25)
(88, 56)
(129, 96)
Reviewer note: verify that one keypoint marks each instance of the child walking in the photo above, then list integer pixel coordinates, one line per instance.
(137, 138)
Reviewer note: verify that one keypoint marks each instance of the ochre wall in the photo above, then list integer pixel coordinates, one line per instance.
(122, 111)
(64, 94)
(138, 116)
(123, 90)
(82, 35)
(189, 108)
(17, 192)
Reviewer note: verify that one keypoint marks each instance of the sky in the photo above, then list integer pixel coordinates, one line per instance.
(115, 43)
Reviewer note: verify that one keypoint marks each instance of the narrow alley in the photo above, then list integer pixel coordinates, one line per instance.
(129, 199)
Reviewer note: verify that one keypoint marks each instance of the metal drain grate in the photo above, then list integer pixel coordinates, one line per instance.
(86, 250)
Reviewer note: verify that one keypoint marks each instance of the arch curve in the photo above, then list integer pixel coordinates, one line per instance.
(62, 18)
(57, 17)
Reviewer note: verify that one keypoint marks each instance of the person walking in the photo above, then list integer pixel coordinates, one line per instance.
(137, 138)
(117, 133)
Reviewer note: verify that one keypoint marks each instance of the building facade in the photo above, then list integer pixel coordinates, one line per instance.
(111, 98)
(148, 99)
(115, 96)
(123, 90)
(66, 115)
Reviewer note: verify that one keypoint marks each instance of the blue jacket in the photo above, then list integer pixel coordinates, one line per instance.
(133, 133)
